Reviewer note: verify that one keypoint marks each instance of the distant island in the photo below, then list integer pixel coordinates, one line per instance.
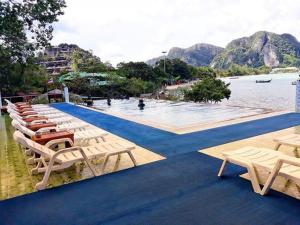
(262, 49)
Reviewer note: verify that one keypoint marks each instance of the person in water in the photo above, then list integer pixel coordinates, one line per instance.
(141, 104)
(108, 101)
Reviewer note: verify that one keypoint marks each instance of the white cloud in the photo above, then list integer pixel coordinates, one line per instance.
(119, 30)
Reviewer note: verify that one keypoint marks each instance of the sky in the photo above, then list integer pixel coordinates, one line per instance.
(138, 30)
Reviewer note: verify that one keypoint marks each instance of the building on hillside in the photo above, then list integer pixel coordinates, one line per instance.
(58, 58)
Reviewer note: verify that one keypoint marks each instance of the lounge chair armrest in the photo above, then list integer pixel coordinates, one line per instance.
(28, 116)
(103, 133)
(47, 129)
(59, 141)
(62, 129)
(31, 111)
(39, 121)
(71, 150)
(290, 160)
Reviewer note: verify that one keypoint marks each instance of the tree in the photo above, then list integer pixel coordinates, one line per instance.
(34, 77)
(181, 69)
(175, 68)
(136, 70)
(208, 90)
(85, 61)
(25, 27)
(205, 71)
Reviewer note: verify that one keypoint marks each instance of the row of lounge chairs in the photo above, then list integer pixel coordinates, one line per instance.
(47, 158)
(274, 162)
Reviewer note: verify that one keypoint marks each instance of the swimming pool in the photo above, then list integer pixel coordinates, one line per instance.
(176, 114)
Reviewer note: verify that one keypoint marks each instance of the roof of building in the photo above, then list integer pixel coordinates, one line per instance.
(73, 75)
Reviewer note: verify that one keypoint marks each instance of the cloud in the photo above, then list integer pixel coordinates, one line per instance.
(137, 30)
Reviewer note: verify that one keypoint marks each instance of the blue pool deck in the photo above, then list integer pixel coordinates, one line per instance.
(182, 189)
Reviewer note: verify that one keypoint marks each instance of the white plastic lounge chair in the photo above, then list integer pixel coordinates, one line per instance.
(44, 112)
(21, 121)
(11, 110)
(72, 125)
(292, 140)
(50, 116)
(80, 137)
(59, 120)
(274, 162)
(51, 161)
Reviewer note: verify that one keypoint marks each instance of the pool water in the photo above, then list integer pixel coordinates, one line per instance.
(176, 114)
(247, 98)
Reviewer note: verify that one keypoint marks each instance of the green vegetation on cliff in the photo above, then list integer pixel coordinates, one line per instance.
(261, 49)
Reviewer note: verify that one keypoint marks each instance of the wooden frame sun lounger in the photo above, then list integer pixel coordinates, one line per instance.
(274, 162)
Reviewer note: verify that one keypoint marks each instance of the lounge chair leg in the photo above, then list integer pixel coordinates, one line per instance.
(254, 179)
(104, 164)
(88, 163)
(118, 159)
(27, 152)
(286, 185)
(31, 160)
(34, 171)
(271, 178)
(43, 184)
(277, 146)
(296, 152)
(132, 158)
(222, 168)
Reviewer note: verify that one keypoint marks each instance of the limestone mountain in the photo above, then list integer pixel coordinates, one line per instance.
(196, 55)
(260, 49)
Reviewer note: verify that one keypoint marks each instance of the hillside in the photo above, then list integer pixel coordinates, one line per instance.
(196, 55)
(260, 49)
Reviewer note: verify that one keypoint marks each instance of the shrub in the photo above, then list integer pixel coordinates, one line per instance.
(41, 99)
(208, 90)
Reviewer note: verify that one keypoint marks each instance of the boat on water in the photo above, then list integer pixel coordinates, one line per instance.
(294, 82)
(263, 81)
(233, 78)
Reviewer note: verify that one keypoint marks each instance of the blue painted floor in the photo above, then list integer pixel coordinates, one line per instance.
(183, 189)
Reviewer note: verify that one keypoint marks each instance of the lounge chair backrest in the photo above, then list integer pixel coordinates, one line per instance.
(34, 146)
(11, 110)
(14, 117)
(11, 106)
(23, 129)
